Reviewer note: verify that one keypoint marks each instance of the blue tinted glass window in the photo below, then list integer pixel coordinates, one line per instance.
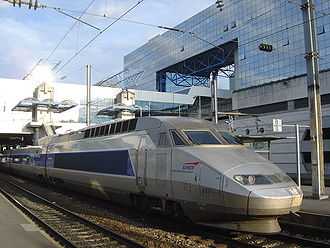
(202, 138)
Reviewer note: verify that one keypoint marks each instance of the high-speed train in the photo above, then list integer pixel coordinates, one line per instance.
(181, 166)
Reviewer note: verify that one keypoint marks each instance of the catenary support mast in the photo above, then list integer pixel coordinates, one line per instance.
(88, 95)
(313, 89)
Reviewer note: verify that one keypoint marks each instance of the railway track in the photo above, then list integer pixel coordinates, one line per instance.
(70, 229)
(281, 240)
(232, 239)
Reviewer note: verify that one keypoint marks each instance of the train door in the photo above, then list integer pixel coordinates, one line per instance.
(186, 171)
(210, 186)
(142, 164)
(185, 177)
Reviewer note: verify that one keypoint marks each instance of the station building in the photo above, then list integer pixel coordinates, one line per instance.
(63, 106)
(268, 84)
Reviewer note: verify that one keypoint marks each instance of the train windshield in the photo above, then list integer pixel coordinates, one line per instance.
(202, 137)
(230, 139)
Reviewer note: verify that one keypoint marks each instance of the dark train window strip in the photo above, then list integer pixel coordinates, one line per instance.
(118, 127)
(125, 126)
(132, 125)
(93, 132)
(102, 131)
(114, 128)
(97, 131)
(108, 162)
(87, 133)
(107, 128)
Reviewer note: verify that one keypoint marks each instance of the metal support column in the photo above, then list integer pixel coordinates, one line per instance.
(214, 97)
(88, 95)
(298, 155)
(199, 107)
(313, 84)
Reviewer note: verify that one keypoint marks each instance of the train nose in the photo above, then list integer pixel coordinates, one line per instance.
(274, 201)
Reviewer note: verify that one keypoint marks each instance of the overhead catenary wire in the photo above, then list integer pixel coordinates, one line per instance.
(59, 43)
(77, 19)
(33, 68)
(69, 30)
(98, 35)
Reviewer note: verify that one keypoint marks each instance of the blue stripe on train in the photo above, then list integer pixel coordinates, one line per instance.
(108, 162)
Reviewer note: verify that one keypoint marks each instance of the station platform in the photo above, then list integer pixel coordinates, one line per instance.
(17, 231)
(315, 206)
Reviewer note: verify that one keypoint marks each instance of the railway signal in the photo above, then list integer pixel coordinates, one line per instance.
(266, 47)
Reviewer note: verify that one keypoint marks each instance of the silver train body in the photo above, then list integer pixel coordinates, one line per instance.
(177, 165)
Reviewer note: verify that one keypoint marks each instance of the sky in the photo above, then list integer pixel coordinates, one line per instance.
(28, 36)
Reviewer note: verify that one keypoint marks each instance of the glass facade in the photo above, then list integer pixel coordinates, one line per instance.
(246, 23)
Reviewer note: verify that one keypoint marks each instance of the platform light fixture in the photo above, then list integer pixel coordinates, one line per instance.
(220, 4)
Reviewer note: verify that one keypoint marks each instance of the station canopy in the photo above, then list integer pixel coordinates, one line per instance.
(117, 108)
(29, 104)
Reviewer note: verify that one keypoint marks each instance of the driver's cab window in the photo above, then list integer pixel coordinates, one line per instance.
(177, 140)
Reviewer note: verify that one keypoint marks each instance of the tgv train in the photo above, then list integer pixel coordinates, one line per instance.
(181, 166)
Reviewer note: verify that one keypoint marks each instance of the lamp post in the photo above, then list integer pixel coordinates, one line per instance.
(214, 97)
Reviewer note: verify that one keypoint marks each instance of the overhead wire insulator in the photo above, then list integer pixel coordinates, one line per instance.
(220, 4)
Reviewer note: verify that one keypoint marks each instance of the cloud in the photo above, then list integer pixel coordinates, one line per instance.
(4, 5)
(31, 35)
(19, 47)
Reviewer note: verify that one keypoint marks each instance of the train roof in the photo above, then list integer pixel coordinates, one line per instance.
(185, 122)
(173, 122)
(136, 124)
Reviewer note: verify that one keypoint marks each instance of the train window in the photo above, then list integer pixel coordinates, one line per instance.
(132, 125)
(125, 126)
(118, 127)
(106, 131)
(177, 139)
(93, 132)
(230, 139)
(202, 137)
(97, 132)
(87, 133)
(163, 140)
(112, 128)
(102, 131)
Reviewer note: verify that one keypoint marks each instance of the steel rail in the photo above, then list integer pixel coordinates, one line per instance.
(259, 240)
(122, 241)
(57, 236)
(301, 240)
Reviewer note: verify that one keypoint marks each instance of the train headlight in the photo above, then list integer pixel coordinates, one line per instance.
(245, 179)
